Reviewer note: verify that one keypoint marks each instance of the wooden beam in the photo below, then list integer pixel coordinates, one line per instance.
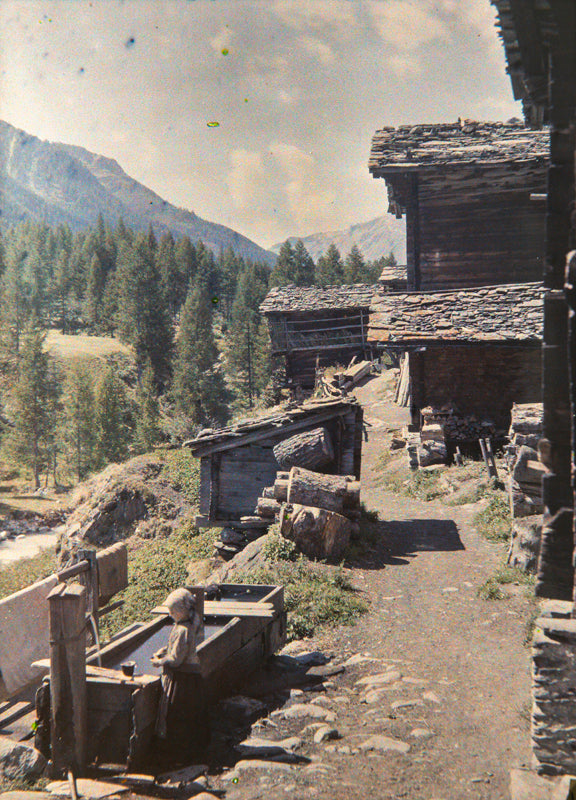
(68, 699)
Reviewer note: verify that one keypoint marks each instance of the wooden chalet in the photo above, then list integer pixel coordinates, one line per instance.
(539, 39)
(468, 191)
(237, 462)
(478, 350)
(317, 325)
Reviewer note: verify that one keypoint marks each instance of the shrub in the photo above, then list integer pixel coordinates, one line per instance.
(494, 522)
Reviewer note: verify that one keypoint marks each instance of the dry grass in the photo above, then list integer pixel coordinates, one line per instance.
(66, 346)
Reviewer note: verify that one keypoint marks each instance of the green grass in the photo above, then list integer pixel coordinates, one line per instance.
(182, 470)
(494, 522)
(156, 568)
(505, 575)
(315, 594)
(26, 571)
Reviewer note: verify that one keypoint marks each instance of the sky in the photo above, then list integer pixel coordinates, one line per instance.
(296, 87)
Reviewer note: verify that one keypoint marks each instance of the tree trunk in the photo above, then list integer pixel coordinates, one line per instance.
(311, 449)
(281, 490)
(333, 492)
(267, 507)
(318, 533)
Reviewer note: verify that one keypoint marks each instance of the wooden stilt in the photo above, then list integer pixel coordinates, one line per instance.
(68, 712)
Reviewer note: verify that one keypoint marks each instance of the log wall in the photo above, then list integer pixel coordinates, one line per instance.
(476, 226)
(479, 379)
(232, 480)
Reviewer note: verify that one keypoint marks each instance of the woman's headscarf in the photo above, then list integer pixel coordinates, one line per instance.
(180, 603)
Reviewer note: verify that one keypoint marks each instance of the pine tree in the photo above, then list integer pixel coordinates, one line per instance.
(199, 389)
(355, 269)
(94, 292)
(303, 265)
(15, 310)
(174, 285)
(112, 430)
(78, 424)
(148, 432)
(248, 357)
(187, 261)
(329, 268)
(33, 407)
(284, 271)
(142, 317)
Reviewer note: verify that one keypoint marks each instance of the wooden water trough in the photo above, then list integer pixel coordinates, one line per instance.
(246, 625)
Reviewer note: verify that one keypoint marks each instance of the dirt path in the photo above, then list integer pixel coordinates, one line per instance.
(459, 698)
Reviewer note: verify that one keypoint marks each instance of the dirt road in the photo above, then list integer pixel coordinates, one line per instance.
(441, 713)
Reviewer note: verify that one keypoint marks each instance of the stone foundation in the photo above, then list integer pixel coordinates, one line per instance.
(554, 692)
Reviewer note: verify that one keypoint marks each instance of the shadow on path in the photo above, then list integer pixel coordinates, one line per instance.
(396, 543)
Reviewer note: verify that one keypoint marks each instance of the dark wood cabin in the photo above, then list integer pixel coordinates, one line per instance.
(478, 350)
(469, 192)
(539, 38)
(312, 325)
(237, 462)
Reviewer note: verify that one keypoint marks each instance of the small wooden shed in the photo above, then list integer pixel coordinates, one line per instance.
(324, 325)
(471, 192)
(237, 462)
(476, 349)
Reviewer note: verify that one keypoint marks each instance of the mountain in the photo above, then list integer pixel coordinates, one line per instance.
(66, 184)
(375, 238)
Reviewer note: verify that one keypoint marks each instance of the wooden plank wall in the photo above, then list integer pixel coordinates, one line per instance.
(478, 226)
(483, 380)
(244, 471)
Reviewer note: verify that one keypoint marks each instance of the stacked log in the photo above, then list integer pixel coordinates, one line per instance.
(342, 382)
(311, 449)
(320, 512)
(458, 427)
(524, 458)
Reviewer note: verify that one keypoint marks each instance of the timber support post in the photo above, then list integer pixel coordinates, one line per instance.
(68, 699)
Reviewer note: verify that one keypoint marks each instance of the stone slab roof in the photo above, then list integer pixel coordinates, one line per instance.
(284, 299)
(270, 424)
(500, 314)
(410, 147)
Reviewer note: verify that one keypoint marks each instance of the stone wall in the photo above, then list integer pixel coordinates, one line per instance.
(485, 380)
(554, 692)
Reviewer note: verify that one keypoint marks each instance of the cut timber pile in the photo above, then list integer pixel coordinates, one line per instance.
(458, 427)
(311, 449)
(320, 512)
(525, 472)
(318, 533)
(342, 382)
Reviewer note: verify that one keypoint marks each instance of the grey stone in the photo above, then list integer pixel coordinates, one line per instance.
(17, 795)
(18, 760)
(421, 733)
(265, 748)
(242, 710)
(380, 743)
(91, 790)
(432, 452)
(301, 710)
(380, 679)
(400, 704)
(326, 671)
(325, 733)
(525, 543)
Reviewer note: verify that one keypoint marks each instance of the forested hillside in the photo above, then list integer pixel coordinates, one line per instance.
(198, 350)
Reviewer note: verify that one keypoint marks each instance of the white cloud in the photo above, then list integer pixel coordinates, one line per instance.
(309, 203)
(246, 179)
(327, 16)
(407, 24)
(317, 48)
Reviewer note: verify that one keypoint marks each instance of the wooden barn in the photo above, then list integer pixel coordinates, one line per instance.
(470, 192)
(477, 350)
(237, 462)
(312, 325)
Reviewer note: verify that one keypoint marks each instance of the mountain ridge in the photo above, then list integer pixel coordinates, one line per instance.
(377, 237)
(63, 183)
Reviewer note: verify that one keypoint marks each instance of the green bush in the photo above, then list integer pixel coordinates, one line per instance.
(27, 571)
(315, 594)
(494, 522)
(182, 470)
(156, 568)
